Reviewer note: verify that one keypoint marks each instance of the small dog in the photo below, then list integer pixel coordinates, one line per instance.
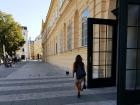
(67, 72)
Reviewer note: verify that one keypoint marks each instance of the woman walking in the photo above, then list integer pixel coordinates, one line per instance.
(79, 70)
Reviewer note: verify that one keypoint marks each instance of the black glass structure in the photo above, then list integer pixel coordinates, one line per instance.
(128, 88)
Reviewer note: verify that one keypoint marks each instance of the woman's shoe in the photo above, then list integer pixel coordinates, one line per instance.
(78, 95)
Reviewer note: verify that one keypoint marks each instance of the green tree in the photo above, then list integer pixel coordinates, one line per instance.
(10, 34)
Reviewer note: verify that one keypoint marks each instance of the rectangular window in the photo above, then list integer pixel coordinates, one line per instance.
(85, 14)
(84, 34)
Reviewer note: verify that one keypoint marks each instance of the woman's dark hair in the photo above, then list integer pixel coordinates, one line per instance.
(78, 58)
(78, 61)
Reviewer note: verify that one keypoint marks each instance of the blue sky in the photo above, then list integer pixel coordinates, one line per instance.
(27, 12)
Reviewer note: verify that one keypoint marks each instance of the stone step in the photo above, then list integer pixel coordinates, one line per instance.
(49, 95)
(107, 102)
(38, 77)
(40, 86)
(35, 81)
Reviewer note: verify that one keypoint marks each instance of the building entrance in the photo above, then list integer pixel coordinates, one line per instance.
(102, 47)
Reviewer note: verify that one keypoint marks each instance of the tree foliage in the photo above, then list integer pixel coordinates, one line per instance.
(10, 34)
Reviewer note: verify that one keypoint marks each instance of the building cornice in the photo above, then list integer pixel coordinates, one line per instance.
(63, 8)
(46, 21)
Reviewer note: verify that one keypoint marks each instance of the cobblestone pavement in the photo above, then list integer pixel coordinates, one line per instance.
(37, 83)
(4, 71)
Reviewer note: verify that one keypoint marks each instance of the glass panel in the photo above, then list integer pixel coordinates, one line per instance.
(95, 58)
(133, 11)
(131, 59)
(139, 36)
(130, 79)
(98, 72)
(95, 72)
(132, 37)
(138, 80)
(109, 45)
(96, 31)
(102, 31)
(84, 33)
(102, 58)
(102, 44)
(138, 59)
(95, 44)
(108, 71)
(108, 58)
(110, 30)
(101, 71)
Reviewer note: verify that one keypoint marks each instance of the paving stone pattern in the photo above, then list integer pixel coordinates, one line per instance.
(37, 83)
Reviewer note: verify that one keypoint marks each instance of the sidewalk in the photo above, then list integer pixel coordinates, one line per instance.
(37, 83)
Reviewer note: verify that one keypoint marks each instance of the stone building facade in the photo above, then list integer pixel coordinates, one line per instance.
(64, 32)
(64, 35)
(31, 50)
(38, 47)
(22, 53)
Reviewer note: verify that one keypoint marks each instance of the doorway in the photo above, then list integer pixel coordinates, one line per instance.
(102, 47)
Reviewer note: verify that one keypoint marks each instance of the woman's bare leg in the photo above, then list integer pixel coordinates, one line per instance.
(78, 85)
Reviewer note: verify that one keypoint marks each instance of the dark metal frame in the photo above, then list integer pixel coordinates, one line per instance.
(124, 96)
(101, 82)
